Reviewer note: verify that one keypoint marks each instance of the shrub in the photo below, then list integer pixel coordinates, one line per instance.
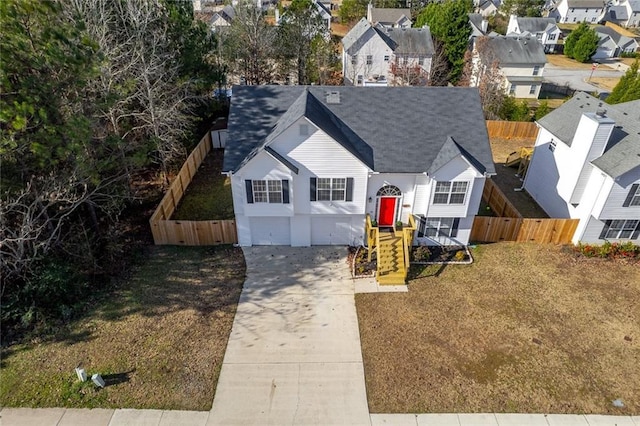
(421, 254)
(460, 255)
(609, 250)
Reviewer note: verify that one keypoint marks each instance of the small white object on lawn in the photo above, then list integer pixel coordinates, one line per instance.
(98, 380)
(82, 375)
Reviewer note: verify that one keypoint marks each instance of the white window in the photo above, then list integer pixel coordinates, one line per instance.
(552, 145)
(536, 69)
(633, 197)
(360, 80)
(552, 36)
(354, 59)
(593, 19)
(434, 227)
(386, 58)
(331, 189)
(532, 89)
(512, 89)
(450, 192)
(420, 60)
(267, 191)
(369, 59)
(620, 228)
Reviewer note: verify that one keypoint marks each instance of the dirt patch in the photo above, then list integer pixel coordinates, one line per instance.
(158, 342)
(606, 83)
(507, 180)
(525, 328)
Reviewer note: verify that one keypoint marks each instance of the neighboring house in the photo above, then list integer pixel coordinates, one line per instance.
(321, 10)
(389, 18)
(586, 166)
(544, 30)
(570, 11)
(624, 12)
(479, 25)
(612, 43)
(487, 8)
(222, 18)
(308, 163)
(371, 53)
(520, 61)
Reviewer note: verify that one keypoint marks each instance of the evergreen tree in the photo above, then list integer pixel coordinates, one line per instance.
(582, 43)
(628, 88)
(449, 23)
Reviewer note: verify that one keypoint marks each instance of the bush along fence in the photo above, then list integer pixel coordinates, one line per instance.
(511, 226)
(185, 232)
(512, 129)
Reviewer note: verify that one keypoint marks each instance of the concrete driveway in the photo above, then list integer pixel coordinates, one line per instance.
(294, 354)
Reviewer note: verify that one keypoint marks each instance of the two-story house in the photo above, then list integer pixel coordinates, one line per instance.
(586, 166)
(624, 12)
(570, 11)
(308, 163)
(545, 30)
(520, 61)
(377, 55)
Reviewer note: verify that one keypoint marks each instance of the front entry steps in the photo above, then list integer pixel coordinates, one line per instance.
(391, 264)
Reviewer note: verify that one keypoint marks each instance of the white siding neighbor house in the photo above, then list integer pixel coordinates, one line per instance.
(612, 43)
(544, 30)
(624, 12)
(586, 166)
(308, 163)
(570, 11)
(379, 56)
(520, 60)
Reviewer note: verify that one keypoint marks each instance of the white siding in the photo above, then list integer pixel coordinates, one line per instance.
(370, 44)
(320, 156)
(612, 208)
(456, 170)
(406, 183)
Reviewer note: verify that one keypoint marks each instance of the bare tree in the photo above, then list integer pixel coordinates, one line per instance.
(482, 70)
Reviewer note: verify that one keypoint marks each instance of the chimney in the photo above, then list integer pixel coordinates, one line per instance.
(370, 13)
(197, 6)
(277, 16)
(484, 26)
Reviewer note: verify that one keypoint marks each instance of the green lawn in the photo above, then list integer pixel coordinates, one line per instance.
(158, 342)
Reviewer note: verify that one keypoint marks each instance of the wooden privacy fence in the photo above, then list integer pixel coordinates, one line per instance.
(511, 226)
(512, 129)
(189, 232)
(493, 229)
(495, 198)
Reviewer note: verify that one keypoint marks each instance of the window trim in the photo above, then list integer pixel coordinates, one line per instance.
(280, 187)
(450, 193)
(333, 188)
(618, 226)
(452, 225)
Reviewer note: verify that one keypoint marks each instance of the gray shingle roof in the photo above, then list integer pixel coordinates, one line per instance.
(401, 41)
(623, 150)
(389, 15)
(391, 129)
(586, 3)
(618, 13)
(535, 25)
(513, 50)
(411, 40)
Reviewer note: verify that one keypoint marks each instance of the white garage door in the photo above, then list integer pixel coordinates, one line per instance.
(327, 231)
(266, 231)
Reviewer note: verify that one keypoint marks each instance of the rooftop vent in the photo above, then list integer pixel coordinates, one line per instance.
(333, 97)
(600, 112)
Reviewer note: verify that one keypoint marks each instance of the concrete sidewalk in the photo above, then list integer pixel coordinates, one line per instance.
(294, 353)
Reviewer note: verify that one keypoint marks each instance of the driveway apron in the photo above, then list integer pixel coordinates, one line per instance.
(294, 354)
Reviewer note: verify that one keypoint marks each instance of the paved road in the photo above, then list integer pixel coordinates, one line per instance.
(577, 78)
(294, 353)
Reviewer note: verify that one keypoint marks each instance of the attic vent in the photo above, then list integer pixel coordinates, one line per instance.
(600, 112)
(333, 97)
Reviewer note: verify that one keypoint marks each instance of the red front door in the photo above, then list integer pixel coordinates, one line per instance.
(387, 210)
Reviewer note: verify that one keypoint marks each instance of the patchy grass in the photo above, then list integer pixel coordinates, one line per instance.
(607, 83)
(158, 342)
(564, 62)
(525, 328)
(208, 196)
